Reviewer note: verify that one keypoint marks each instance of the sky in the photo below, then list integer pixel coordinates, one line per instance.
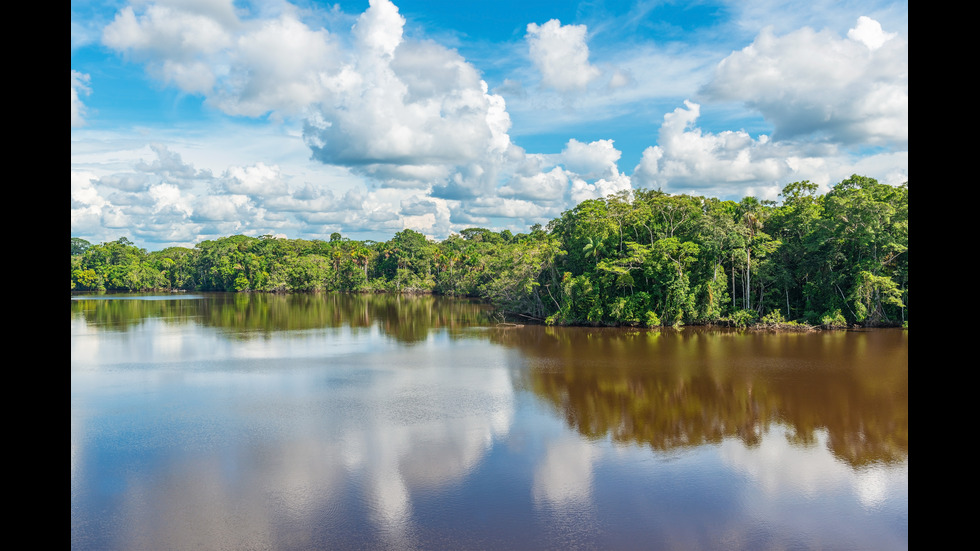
(198, 119)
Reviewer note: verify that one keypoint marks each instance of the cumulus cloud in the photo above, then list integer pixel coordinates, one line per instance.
(170, 166)
(79, 86)
(243, 67)
(732, 164)
(167, 198)
(150, 184)
(256, 180)
(426, 214)
(499, 207)
(581, 171)
(869, 32)
(541, 187)
(561, 54)
(404, 113)
(128, 181)
(179, 43)
(582, 190)
(410, 114)
(689, 159)
(806, 83)
(592, 160)
(379, 29)
(279, 65)
(164, 200)
(596, 161)
(225, 208)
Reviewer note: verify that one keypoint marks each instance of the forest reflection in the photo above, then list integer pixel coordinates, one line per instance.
(676, 389)
(406, 318)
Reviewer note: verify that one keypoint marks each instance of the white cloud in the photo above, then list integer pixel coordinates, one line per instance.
(582, 190)
(405, 113)
(869, 32)
(592, 160)
(567, 183)
(413, 117)
(170, 166)
(280, 65)
(561, 54)
(596, 161)
(128, 181)
(86, 204)
(497, 207)
(732, 164)
(224, 208)
(543, 186)
(429, 215)
(410, 114)
(168, 198)
(379, 29)
(243, 67)
(688, 159)
(256, 180)
(79, 86)
(847, 90)
(178, 45)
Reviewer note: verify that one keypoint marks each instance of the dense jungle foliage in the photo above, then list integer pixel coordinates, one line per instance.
(640, 258)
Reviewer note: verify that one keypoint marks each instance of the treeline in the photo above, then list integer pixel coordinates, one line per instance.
(641, 258)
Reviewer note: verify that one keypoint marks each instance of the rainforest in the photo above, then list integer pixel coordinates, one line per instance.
(638, 258)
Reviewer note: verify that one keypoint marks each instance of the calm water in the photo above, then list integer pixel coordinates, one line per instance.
(382, 422)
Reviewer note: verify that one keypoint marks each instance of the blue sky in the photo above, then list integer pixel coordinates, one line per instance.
(195, 119)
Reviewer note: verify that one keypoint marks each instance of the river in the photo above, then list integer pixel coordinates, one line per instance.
(222, 421)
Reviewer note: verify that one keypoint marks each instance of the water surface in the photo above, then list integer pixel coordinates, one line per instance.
(365, 422)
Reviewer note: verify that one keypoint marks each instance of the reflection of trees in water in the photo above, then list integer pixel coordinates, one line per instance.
(410, 318)
(406, 318)
(686, 388)
(122, 312)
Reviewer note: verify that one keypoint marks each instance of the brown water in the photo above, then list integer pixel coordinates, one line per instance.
(365, 422)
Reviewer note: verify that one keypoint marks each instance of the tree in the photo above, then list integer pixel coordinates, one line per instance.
(79, 246)
(864, 229)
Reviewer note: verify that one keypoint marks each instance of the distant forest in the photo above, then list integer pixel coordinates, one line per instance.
(642, 258)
